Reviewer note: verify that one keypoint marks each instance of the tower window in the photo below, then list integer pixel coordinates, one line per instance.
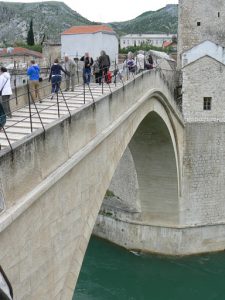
(198, 23)
(218, 14)
(207, 103)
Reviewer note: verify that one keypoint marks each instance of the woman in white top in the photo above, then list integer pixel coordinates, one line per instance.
(5, 90)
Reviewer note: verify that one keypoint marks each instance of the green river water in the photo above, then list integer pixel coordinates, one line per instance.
(112, 273)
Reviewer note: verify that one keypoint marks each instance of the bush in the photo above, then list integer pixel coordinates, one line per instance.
(144, 47)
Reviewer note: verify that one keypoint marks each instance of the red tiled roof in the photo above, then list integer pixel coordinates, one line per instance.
(19, 51)
(88, 29)
(167, 44)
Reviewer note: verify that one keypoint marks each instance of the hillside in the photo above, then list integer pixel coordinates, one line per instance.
(164, 20)
(50, 18)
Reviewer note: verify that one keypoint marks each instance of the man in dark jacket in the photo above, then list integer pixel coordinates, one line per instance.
(56, 77)
(104, 64)
(88, 62)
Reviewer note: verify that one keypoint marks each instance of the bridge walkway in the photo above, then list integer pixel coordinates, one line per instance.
(19, 126)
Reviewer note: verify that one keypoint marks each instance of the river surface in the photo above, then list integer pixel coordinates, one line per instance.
(112, 273)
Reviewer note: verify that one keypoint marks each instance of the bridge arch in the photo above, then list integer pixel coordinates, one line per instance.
(146, 178)
(154, 109)
(65, 181)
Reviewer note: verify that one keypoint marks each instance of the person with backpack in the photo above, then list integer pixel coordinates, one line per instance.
(34, 75)
(104, 63)
(88, 62)
(5, 91)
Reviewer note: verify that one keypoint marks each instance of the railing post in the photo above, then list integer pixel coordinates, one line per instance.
(115, 73)
(65, 102)
(78, 80)
(29, 105)
(38, 113)
(102, 81)
(57, 99)
(84, 91)
(127, 68)
(91, 96)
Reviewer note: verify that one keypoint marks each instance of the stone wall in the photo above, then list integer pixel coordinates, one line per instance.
(204, 78)
(210, 14)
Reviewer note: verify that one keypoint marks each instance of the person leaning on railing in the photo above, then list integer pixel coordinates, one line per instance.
(5, 90)
(56, 77)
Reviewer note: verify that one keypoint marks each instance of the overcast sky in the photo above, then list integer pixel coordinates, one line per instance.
(112, 10)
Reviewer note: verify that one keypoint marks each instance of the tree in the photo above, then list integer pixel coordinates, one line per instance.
(30, 34)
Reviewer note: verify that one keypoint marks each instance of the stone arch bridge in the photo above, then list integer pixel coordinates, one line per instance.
(55, 184)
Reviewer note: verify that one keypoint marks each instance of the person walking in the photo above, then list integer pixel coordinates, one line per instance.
(140, 60)
(88, 62)
(56, 77)
(104, 63)
(34, 74)
(70, 68)
(130, 63)
(5, 90)
(96, 71)
(149, 62)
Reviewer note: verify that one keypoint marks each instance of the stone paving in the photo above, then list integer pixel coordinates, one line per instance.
(18, 127)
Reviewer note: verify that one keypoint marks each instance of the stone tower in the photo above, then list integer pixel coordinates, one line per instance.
(200, 20)
(201, 58)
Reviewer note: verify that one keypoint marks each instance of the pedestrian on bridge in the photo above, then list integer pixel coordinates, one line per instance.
(34, 76)
(5, 90)
(56, 77)
(96, 71)
(104, 63)
(88, 62)
(70, 68)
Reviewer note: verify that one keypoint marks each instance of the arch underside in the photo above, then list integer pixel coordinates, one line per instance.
(148, 170)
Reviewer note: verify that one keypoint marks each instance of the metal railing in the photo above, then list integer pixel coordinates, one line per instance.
(36, 112)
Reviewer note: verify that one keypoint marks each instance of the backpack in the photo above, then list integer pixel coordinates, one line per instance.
(109, 77)
(2, 116)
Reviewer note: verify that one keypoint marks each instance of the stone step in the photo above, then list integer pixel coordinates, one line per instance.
(11, 136)
(20, 130)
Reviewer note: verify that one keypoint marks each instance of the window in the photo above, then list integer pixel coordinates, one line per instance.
(218, 14)
(207, 103)
(198, 23)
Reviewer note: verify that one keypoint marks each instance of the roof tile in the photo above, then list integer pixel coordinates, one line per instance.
(88, 29)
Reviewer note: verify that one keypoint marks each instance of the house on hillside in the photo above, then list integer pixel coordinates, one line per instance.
(156, 40)
(18, 57)
(80, 39)
(170, 44)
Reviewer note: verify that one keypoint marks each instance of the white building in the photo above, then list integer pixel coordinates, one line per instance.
(139, 39)
(80, 39)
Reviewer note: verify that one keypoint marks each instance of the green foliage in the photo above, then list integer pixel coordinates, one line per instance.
(50, 19)
(109, 194)
(164, 20)
(144, 47)
(30, 34)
